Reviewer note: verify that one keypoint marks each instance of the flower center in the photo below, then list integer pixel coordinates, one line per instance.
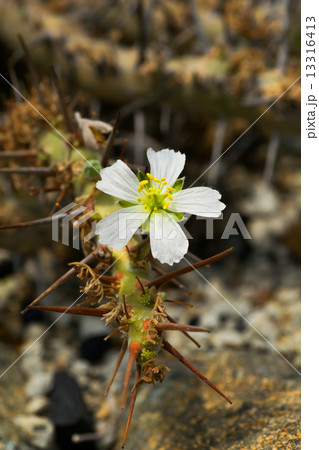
(154, 193)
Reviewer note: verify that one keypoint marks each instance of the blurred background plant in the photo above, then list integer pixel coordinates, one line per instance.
(189, 75)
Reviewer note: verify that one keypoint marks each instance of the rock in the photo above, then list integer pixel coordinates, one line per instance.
(226, 338)
(69, 412)
(264, 324)
(32, 361)
(36, 431)
(39, 384)
(288, 295)
(67, 406)
(33, 331)
(37, 405)
(262, 200)
(80, 369)
(183, 413)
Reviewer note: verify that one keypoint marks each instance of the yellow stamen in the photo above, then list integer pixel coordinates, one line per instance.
(149, 195)
(145, 206)
(163, 179)
(169, 196)
(164, 182)
(139, 199)
(170, 189)
(142, 184)
(157, 180)
(155, 209)
(166, 205)
(150, 176)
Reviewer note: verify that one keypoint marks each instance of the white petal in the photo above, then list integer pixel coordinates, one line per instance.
(201, 201)
(119, 180)
(166, 163)
(117, 228)
(168, 241)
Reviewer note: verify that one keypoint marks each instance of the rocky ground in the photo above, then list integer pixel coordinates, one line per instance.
(56, 390)
(264, 415)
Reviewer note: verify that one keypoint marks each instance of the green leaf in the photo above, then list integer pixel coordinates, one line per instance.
(92, 169)
(141, 176)
(178, 185)
(125, 204)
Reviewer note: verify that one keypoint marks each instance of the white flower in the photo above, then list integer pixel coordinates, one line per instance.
(155, 202)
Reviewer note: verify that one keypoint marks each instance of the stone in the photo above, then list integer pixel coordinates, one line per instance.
(37, 405)
(226, 338)
(34, 430)
(183, 413)
(263, 199)
(39, 384)
(264, 324)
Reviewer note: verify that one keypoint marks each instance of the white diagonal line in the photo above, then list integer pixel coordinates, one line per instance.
(56, 320)
(244, 318)
(247, 129)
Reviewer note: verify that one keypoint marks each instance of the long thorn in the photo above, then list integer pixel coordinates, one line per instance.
(134, 349)
(125, 308)
(97, 312)
(33, 73)
(18, 154)
(122, 151)
(32, 223)
(108, 279)
(140, 245)
(28, 170)
(64, 108)
(57, 202)
(109, 145)
(178, 302)
(184, 332)
(180, 327)
(14, 81)
(137, 376)
(141, 284)
(176, 273)
(117, 365)
(40, 190)
(87, 260)
(170, 349)
(162, 272)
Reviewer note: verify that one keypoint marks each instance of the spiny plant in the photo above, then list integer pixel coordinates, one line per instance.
(118, 288)
(136, 307)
